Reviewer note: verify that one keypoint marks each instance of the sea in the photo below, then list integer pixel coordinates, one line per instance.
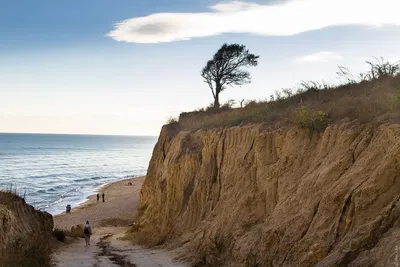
(53, 170)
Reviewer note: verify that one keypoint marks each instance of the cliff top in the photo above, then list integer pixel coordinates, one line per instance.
(373, 96)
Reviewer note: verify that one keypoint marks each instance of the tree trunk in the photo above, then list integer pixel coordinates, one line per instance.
(217, 91)
(216, 101)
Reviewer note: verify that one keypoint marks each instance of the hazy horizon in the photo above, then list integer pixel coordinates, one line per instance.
(100, 68)
(38, 133)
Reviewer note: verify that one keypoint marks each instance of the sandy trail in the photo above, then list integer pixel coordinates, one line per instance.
(107, 248)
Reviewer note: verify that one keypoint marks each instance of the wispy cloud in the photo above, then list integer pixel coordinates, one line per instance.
(281, 19)
(323, 56)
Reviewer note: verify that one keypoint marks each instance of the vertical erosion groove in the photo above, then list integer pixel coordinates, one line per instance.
(318, 196)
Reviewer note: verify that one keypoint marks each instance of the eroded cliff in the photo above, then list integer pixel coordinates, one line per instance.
(253, 196)
(25, 233)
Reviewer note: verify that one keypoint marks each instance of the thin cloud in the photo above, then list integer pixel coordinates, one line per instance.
(281, 19)
(323, 56)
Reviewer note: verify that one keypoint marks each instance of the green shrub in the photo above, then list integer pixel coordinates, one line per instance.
(59, 234)
(313, 120)
(172, 120)
(228, 104)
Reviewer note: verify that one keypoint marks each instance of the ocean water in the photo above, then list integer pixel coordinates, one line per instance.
(52, 171)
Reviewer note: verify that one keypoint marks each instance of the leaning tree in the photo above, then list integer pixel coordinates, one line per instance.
(227, 68)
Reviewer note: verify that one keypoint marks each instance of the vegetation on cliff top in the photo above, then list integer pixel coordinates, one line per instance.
(373, 96)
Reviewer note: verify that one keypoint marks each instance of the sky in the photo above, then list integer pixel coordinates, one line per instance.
(124, 67)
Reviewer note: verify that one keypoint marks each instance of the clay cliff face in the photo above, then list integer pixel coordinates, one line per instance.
(18, 219)
(250, 196)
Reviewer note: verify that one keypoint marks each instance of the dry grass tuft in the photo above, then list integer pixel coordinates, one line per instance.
(76, 231)
(60, 234)
(33, 250)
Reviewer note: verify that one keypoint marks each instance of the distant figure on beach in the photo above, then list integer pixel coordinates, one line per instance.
(129, 183)
(87, 231)
(98, 197)
(102, 196)
(68, 208)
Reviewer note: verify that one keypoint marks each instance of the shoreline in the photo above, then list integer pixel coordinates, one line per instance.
(119, 208)
(99, 189)
(93, 193)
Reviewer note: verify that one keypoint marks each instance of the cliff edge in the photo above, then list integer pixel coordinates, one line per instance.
(253, 196)
(25, 233)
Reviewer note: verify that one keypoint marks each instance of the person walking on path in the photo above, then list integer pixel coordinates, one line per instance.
(102, 195)
(98, 197)
(87, 231)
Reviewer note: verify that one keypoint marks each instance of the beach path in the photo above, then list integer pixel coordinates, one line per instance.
(110, 220)
(107, 249)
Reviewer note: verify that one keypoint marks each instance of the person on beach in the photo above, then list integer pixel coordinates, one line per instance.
(98, 197)
(87, 231)
(102, 196)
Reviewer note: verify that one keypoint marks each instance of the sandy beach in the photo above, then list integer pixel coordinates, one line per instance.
(110, 221)
(119, 208)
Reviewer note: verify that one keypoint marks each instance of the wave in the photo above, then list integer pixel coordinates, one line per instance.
(54, 189)
(62, 197)
(81, 180)
(91, 178)
(42, 176)
(53, 176)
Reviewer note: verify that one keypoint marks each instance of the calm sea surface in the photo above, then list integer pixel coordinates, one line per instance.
(55, 170)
